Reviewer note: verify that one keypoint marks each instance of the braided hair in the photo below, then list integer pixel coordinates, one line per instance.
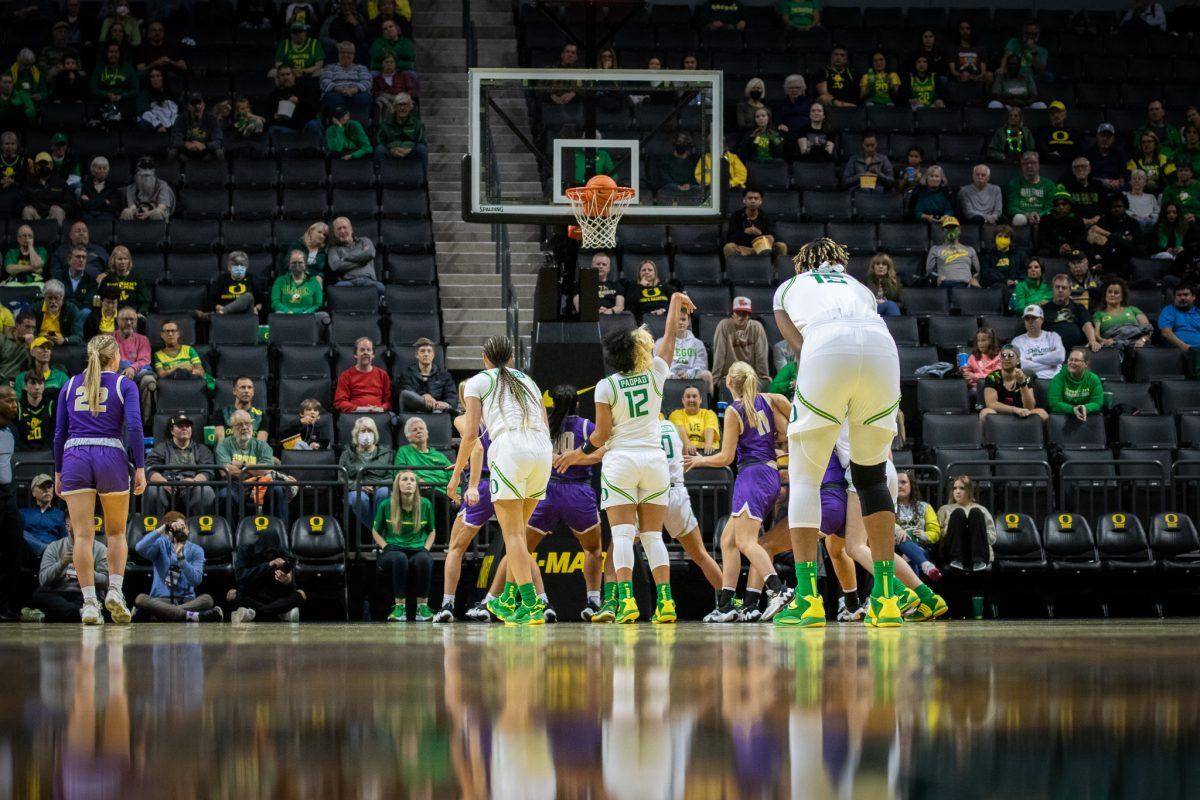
(820, 251)
(498, 350)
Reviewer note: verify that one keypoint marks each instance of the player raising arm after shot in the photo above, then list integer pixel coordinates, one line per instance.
(848, 370)
(98, 426)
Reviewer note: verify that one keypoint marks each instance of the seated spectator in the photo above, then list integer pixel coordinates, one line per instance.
(432, 466)
(1008, 390)
(836, 84)
(1013, 87)
(41, 354)
(80, 288)
(301, 54)
(173, 359)
(58, 320)
(1117, 323)
(366, 464)
(968, 61)
(35, 414)
(243, 401)
(1106, 158)
(178, 569)
(1067, 318)
(698, 427)
(103, 318)
(244, 128)
(59, 597)
(1057, 141)
(1143, 207)
(921, 85)
(568, 58)
(27, 75)
(297, 292)
(63, 163)
(13, 172)
(883, 283)
(984, 358)
(691, 357)
(763, 142)
(135, 359)
(952, 264)
(306, 433)
(649, 295)
(968, 530)
(69, 83)
(44, 523)
(869, 171)
(351, 259)
(1009, 143)
(1168, 135)
(197, 135)
(788, 116)
(95, 256)
(389, 84)
(247, 460)
(293, 106)
(914, 170)
(1041, 351)
(402, 135)
(1062, 231)
(879, 86)
(424, 386)
(1029, 195)
(46, 195)
(114, 82)
(1076, 390)
(157, 51)
(156, 108)
(718, 14)
(1184, 192)
(266, 586)
(675, 170)
(313, 243)
(345, 24)
(403, 530)
(932, 201)
(384, 10)
(740, 338)
(1150, 160)
(233, 292)
(1144, 17)
(1030, 56)
(1085, 286)
(148, 197)
(99, 199)
(611, 289)
(14, 347)
(1115, 238)
(981, 200)
(817, 141)
(1086, 192)
(345, 138)
(346, 84)
(25, 264)
(1166, 240)
(1180, 323)
(392, 43)
(51, 56)
(1190, 149)
(180, 449)
(917, 526)
(748, 224)
(801, 15)
(364, 387)
(17, 109)
(120, 16)
(1002, 263)
(1033, 290)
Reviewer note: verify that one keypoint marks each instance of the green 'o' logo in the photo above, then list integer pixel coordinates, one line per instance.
(493, 486)
(603, 493)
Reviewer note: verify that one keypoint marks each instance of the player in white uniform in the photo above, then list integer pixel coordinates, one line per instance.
(681, 522)
(849, 370)
(509, 404)
(634, 477)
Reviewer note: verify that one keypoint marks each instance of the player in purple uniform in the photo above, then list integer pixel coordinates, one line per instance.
(570, 498)
(97, 428)
(749, 434)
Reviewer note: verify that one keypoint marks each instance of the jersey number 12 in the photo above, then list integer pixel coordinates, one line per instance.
(635, 402)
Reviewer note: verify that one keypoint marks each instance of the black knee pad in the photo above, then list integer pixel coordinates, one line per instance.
(871, 484)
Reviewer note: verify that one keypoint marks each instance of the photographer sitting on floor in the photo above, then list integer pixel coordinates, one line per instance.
(266, 587)
(178, 569)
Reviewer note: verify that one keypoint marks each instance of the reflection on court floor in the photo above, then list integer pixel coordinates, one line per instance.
(954, 710)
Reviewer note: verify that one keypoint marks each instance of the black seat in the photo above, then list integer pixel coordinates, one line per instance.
(753, 269)
(206, 175)
(213, 535)
(924, 302)
(254, 204)
(401, 174)
(195, 235)
(767, 175)
(695, 238)
(1011, 432)
(827, 206)
(1069, 544)
(199, 268)
(1189, 430)
(942, 396)
(410, 299)
(912, 358)
(183, 395)
(1129, 397)
(353, 174)
(355, 202)
(975, 302)
(1180, 396)
(950, 430)
(903, 330)
(879, 207)
(234, 360)
(180, 299)
(296, 329)
(250, 235)
(1157, 364)
(1122, 543)
(1107, 364)
(809, 176)
(903, 238)
(411, 269)
(1018, 547)
(857, 237)
(352, 299)
(319, 545)
(1174, 542)
(293, 390)
(1147, 431)
(347, 329)
(254, 173)
(695, 268)
(401, 204)
(949, 333)
(302, 173)
(203, 204)
(138, 234)
(226, 329)
(1068, 433)
(304, 204)
(251, 527)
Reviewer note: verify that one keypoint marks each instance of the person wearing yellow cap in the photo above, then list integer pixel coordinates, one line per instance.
(46, 195)
(1057, 141)
(40, 350)
(952, 264)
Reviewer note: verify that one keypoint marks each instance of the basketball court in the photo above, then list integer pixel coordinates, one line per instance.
(946, 710)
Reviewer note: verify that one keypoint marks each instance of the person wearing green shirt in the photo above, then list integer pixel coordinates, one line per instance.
(1033, 291)
(25, 264)
(801, 15)
(173, 359)
(1076, 389)
(393, 44)
(244, 457)
(878, 86)
(114, 80)
(403, 530)
(1029, 196)
(299, 52)
(243, 400)
(40, 350)
(784, 382)
(403, 135)
(1117, 323)
(1190, 149)
(15, 104)
(418, 453)
(297, 292)
(345, 137)
(1184, 192)
(603, 165)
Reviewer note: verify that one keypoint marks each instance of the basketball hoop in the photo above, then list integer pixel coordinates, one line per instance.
(598, 206)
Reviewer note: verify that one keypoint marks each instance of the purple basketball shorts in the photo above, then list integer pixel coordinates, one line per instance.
(478, 515)
(755, 490)
(98, 468)
(572, 504)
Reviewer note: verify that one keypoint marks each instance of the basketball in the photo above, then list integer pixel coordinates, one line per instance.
(600, 201)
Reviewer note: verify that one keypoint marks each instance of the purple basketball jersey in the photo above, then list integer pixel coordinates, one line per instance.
(753, 445)
(575, 431)
(117, 423)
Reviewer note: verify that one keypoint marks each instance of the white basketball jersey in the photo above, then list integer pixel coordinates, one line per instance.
(669, 437)
(635, 401)
(502, 411)
(826, 294)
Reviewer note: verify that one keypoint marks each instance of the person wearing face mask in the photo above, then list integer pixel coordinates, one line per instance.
(46, 195)
(233, 292)
(368, 470)
(148, 197)
(675, 170)
(178, 569)
(752, 100)
(1002, 263)
(297, 292)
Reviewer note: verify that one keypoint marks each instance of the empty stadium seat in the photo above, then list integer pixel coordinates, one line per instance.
(923, 302)
(1129, 397)
(942, 396)
(1068, 433)
(1018, 546)
(1012, 432)
(1157, 364)
(234, 360)
(1147, 431)
(1069, 544)
(1174, 543)
(233, 329)
(346, 329)
(903, 330)
(950, 333)
(294, 329)
(1180, 396)
(1122, 544)
(912, 358)
(950, 430)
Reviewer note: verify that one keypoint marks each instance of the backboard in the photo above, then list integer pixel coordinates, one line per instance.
(535, 132)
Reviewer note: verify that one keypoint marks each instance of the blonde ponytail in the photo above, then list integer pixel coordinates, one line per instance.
(643, 349)
(100, 351)
(744, 385)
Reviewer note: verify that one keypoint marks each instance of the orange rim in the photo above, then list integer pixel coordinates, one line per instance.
(584, 193)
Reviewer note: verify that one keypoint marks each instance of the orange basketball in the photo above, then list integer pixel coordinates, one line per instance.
(601, 200)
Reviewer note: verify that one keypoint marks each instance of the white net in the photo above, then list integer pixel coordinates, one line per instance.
(598, 211)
